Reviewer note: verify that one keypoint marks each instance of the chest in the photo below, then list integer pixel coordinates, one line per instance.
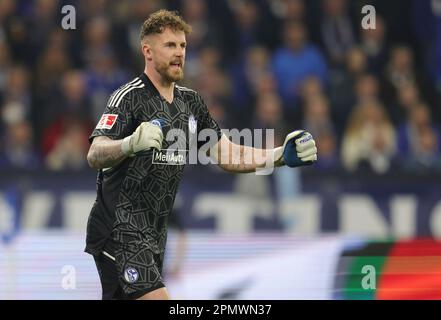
(176, 119)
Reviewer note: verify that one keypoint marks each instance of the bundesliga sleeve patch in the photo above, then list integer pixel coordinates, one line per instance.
(107, 121)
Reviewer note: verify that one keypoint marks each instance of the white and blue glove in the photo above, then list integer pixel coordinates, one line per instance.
(298, 150)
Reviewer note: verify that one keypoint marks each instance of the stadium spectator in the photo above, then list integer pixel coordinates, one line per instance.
(238, 51)
(103, 72)
(269, 115)
(289, 9)
(13, 27)
(248, 73)
(208, 59)
(310, 87)
(336, 30)
(220, 110)
(103, 76)
(295, 61)
(18, 88)
(408, 96)
(137, 10)
(327, 146)
(52, 63)
(89, 10)
(65, 117)
(5, 63)
(254, 25)
(366, 89)
(7, 10)
(43, 23)
(317, 120)
(341, 85)
(205, 31)
(424, 155)
(401, 70)
(427, 16)
(418, 120)
(375, 46)
(317, 115)
(213, 83)
(17, 148)
(70, 147)
(369, 140)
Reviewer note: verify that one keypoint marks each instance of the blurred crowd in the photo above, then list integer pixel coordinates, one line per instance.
(371, 98)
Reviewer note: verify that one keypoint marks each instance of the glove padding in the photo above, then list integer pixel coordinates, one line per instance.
(298, 150)
(145, 137)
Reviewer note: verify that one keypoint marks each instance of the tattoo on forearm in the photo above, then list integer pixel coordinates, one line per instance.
(106, 154)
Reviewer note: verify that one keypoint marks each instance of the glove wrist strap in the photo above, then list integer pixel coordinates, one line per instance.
(278, 157)
(125, 146)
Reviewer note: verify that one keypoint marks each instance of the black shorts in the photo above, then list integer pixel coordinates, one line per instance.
(125, 274)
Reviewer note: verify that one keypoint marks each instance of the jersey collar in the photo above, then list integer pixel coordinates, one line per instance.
(149, 84)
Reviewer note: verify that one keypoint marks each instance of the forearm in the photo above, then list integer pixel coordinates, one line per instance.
(105, 153)
(299, 149)
(244, 159)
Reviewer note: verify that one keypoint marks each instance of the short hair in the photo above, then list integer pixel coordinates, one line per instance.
(160, 20)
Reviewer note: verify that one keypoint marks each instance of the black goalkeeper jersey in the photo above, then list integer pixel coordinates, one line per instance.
(135, 198)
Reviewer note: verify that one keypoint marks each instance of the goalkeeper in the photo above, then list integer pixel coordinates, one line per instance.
(127, 226)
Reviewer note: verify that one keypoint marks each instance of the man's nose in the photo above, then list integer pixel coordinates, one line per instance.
(180, 52)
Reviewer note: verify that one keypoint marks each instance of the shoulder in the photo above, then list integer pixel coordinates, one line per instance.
(126, 91)
(190, 96)
(187, 92)
(193, 99)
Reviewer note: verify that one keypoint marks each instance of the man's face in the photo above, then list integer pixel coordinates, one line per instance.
(295, 36)
(166, 51)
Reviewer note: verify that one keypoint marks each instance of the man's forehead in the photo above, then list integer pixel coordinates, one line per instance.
(171, 35)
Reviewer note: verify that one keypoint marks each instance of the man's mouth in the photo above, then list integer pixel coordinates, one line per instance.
(176, 64)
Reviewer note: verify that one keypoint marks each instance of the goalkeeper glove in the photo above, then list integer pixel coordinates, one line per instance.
(298, 150)
(146, 136)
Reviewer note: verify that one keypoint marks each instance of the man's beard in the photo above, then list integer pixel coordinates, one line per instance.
(165, 70)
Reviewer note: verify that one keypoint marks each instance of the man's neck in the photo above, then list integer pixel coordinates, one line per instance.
(165, 88)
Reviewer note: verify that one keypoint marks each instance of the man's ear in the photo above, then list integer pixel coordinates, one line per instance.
(146, 49)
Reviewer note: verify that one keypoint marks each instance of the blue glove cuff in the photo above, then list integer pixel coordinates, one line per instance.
(290, 153)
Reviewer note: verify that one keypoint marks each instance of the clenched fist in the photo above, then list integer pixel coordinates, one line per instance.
(145, 137)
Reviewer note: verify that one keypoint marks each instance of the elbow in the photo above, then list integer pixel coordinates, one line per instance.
(91, 159)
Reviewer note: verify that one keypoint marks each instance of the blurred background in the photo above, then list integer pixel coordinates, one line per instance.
(362, 223)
